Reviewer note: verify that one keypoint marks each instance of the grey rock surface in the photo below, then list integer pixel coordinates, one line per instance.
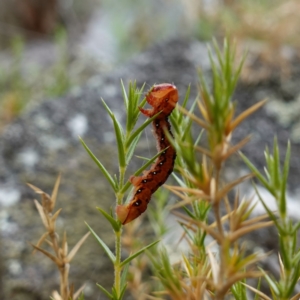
(44, 141)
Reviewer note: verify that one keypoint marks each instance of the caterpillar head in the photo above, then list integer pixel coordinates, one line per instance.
(162, 97)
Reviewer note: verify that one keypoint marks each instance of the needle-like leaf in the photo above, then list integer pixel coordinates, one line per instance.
(54, 192)
(41, 213)
(103, 245)
(99, 164)
(245, 114)
(115, 225)
(36, 189)
(131, 257)
(48, 254)
(73, 252)
(105, 291)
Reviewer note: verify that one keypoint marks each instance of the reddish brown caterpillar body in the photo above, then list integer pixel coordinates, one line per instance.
(163, 98)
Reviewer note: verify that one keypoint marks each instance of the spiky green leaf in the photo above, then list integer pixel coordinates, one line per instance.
(102, 244)
(99, 164)
(115, 224)
(139, 130)
(131, 257)
(105, 291)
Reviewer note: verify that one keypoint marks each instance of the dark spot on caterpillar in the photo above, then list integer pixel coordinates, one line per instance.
(167, 99)
(156, 172)
(160, 183)
(138, 202)
(146, 180)
(138, 191)
(161, 162)
(162, 139)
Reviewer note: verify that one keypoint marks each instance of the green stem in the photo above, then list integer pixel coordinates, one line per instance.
(118, 234)
(121, 184)
(118, 268)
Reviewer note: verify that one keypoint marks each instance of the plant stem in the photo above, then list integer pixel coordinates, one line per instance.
(121, 184)
(216, 205)
(216, 208)
(118, 234)
(64, 284)
(118, 262)
(63, 269)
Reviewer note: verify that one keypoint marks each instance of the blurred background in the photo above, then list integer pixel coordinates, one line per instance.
(48, 47)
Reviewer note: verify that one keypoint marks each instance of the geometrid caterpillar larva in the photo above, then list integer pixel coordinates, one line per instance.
(163, 98)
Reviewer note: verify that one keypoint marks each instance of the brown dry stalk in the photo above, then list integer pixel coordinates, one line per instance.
(61, 257)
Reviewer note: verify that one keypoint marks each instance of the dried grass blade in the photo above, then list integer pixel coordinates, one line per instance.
(64, 245)
(243, 231)
(214, 266)
(48, 254)
(42, 213)
(205, 227)
(296, 297)
(282, 270)
(238, 277)
(195, 192)
(185, 201)
(40, 241)
(203, 150)
(180, 195)
(56, 296)
(236, 147)
(193, 117)
(261, 294)
(36, 189)
(55, 191)
(255, 220)
(231, 185)
(54, 217)
(77, 247)
(245, 114)
(78, 292)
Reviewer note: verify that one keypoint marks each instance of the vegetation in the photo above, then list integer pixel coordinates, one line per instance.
(216, 264)
(17, 90)
(269, 26)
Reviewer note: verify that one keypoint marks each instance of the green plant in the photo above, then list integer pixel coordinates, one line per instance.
(59, 81)
(21, 82)
(126, 143)
(14, 91)
(216, 264)
(201, 188)
(275, 181)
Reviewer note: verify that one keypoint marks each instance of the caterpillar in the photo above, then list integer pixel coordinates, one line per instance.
(163, 98)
